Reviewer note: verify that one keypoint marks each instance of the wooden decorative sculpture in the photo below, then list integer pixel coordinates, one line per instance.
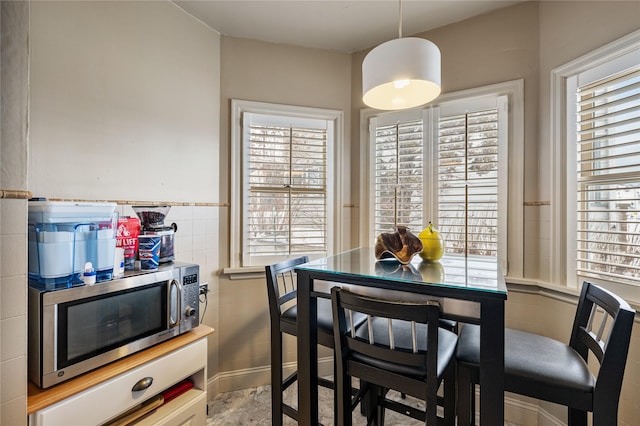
(401, 245)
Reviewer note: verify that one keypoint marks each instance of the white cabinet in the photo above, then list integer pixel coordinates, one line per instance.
(112, 398)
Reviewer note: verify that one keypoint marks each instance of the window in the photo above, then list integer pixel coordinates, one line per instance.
(608, 177)
(399, 175)
(602, 165)
(283, 182)
(448, 163)
(467, 181)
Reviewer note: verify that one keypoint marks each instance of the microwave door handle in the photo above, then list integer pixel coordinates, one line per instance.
(174, 307)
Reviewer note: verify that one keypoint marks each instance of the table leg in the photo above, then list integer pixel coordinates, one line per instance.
(307, 351)
(492, 362)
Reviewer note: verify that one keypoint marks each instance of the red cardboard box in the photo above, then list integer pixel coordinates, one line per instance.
(127, 238)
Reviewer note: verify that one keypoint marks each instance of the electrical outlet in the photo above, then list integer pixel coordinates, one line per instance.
(204, 288)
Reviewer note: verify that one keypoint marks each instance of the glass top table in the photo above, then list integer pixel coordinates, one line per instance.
(476, 281)
(478, 273)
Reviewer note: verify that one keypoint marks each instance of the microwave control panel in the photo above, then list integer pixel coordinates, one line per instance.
(190, 295)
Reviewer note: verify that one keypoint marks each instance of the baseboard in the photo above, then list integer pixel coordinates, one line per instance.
(545, 418)
(521, 412)
(258, 376)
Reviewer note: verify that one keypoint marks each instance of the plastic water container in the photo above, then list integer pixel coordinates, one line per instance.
(63, 236)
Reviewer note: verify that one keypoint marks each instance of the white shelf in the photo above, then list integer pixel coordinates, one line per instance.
(107, 400)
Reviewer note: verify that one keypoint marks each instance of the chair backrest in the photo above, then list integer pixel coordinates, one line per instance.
(392, 349)
(384, 346)
(281, 285)
(602, 326)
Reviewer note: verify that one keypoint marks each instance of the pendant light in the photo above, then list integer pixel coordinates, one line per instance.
(401, 73)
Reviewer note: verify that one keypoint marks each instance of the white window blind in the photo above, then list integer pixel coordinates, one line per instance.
(458, 163)
(286, 186)
(399, 174)
(447, 166)
(608, 177)
(468, 182)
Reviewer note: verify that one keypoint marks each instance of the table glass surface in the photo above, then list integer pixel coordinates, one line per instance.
(476, 273)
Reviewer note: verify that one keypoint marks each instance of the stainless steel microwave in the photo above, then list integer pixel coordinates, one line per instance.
(78, 329)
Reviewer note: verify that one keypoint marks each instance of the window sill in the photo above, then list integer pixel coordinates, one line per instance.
(244, 273)
(555, 291)
(518, 285)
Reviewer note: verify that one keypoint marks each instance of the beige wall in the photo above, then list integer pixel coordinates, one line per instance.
(266, 72)
(569, 30)
(124, 102)
(124, 106)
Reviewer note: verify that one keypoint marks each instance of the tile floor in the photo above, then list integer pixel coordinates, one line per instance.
(253, 407)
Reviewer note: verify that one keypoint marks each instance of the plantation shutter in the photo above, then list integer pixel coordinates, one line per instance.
(467, 175)
(399, 176)
(285, 186)
(608, 177)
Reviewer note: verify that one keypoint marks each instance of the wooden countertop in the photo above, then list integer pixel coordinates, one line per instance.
(38, 398)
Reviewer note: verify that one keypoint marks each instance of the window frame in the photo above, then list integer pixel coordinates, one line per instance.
(512, 260)
(563, 179)
(239, 162)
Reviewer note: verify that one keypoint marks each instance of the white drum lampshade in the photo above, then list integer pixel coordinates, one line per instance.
(401, 73)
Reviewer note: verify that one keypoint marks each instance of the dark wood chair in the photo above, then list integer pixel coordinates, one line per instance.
(544, 368)
(282, 292)
(401, 347)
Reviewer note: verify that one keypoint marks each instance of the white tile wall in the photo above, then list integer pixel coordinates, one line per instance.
(197, 240)
(13, 318)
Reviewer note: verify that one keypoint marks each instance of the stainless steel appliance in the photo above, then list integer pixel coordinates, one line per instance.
(74, 330)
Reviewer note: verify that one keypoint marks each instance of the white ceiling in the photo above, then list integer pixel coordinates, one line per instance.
(345, 26)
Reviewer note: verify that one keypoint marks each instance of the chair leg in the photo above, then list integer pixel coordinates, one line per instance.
(342, 398)
(370, 404)
(465, 396)
(364, 408)
(431, 402)
(336, 395)
(379, 407)
(276, 378)
(450, 396)
(579, 418)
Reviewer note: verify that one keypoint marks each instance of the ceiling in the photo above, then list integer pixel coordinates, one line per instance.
(345, 26)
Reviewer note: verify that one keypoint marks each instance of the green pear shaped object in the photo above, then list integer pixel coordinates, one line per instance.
(431, 272)
(432, 245)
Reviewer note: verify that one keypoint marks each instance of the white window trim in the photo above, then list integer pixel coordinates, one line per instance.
(334, 169)
(558, 151)
(514, 90)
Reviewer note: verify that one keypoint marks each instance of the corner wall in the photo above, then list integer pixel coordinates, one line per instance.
(568, 30)
(14, 88)
(282, 74)
(125, 100)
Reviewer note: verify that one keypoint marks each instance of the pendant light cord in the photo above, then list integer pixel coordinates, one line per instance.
(399, 18)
